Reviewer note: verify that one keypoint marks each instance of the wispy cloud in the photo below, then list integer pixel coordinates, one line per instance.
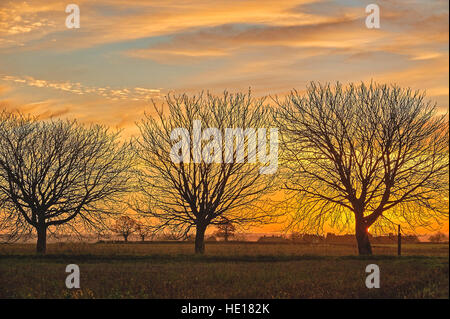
(127, 50)
(134, 94)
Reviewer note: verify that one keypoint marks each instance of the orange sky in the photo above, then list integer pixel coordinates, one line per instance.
(130, 51)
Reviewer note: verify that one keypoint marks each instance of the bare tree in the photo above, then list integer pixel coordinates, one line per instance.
(225, 230)
(125, 226)
(203, 182)
(144, 230)
(357, 153)
(56, 173)
(438, 238)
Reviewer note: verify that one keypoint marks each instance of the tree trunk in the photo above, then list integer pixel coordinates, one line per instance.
(200, 239)
(362, 238)
(125, 238)
(41, 245)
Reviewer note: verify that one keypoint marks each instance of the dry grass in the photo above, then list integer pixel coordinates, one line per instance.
(223, 249)
(227, 271)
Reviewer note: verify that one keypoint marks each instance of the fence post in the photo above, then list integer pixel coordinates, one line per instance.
(399, 244)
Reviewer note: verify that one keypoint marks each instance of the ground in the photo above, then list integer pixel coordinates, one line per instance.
(228, 270)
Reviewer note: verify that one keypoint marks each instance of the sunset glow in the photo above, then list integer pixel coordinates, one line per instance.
(129, 52)
(224, 158)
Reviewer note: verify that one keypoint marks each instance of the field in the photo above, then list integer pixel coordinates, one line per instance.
(227, 270)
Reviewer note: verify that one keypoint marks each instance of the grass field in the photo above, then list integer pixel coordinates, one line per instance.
(227, 270)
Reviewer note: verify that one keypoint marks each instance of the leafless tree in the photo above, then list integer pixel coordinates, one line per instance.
(56, 173)
(144, 230)
(225, 230)
(438, 238)
(194, 193)
(125, 226)
(352, 154)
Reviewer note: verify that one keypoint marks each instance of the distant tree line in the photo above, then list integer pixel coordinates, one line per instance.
(438, 238)
(332, 238)
(348, 156)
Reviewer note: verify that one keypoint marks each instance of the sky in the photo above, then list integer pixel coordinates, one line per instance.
(128, 52)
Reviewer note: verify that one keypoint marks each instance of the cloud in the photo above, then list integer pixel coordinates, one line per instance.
(134, 94)
(190, 45)
(42, 23)
(43, 109)
(228, 40)
(417, 34)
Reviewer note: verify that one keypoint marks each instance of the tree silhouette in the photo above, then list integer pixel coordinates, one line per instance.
(143, 230)
(354, 154)
(194, 193)
(55, 173)
(125, 226)
(225, 230)
(438, 238)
